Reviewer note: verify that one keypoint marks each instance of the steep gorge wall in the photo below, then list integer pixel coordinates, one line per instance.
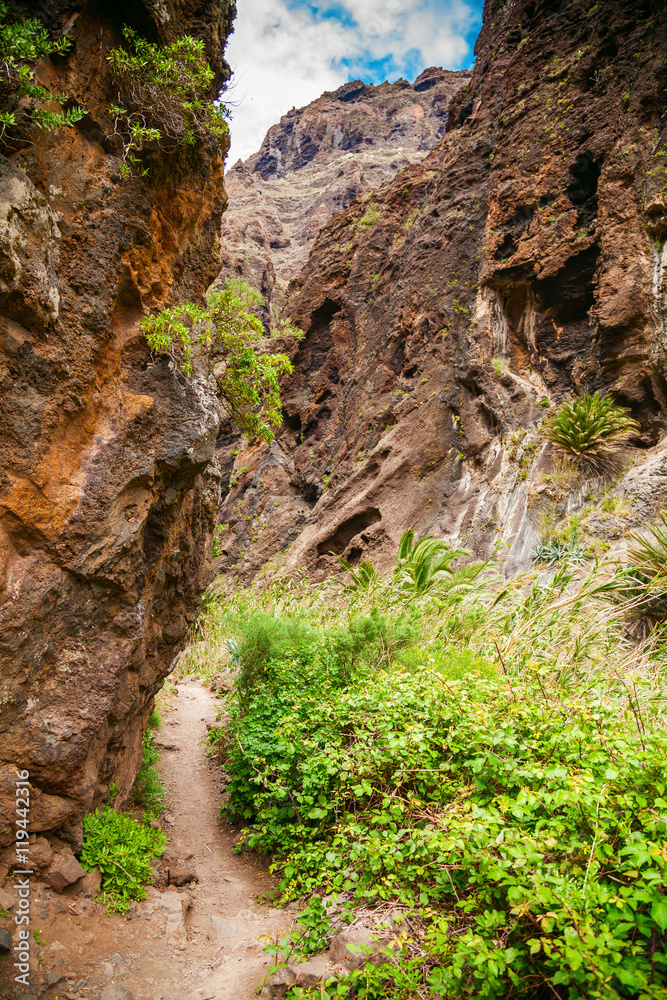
(107, 491)
(523, 259)
(319, 159)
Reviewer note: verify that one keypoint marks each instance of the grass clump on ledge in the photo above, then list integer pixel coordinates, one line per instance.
(478, 769)
(149, 791)
(592, 429)
(644, 594)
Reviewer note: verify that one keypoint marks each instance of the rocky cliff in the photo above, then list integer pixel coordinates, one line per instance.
(523, 259)
(318, 160)
(107, 494)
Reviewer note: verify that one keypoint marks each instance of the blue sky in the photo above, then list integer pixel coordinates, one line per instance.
(285, 53)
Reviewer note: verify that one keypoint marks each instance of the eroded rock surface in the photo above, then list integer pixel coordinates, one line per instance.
(523, 259)
(319, 159)
(107, 492)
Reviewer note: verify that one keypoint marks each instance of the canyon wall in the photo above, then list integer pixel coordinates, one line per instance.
(107, 489)
(315, 162)
(521, 260)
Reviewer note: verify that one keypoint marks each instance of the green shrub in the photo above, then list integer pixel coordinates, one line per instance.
(230, 336)
(22, 43)
(265, 639)
(590, 428)
(495, 777)
(122, 849)
(265, 643)
(371, 216)
(525, 834)
(163, 95)
(155, 720)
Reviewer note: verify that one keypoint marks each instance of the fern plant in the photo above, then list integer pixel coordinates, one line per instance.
(590, 428)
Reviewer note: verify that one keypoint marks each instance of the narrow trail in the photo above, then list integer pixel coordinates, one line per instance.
(223, 957)
(201, 942)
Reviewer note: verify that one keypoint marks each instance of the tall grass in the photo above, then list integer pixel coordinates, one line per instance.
(564, 627)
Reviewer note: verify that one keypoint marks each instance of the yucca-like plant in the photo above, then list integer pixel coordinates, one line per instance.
(555, 551)
(590, 428)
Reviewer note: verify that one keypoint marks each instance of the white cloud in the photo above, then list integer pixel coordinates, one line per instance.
(285, 54)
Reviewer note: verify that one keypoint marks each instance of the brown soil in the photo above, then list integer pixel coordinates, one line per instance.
(215, 949)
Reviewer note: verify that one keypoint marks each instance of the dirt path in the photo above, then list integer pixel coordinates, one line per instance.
(223, 958)
(202, 942)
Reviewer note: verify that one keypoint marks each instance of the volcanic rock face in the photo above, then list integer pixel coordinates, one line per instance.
(318, 160)
(523, 259)
(107, 494)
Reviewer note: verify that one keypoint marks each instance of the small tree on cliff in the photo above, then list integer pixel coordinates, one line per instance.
(164, 95)
(232, 340)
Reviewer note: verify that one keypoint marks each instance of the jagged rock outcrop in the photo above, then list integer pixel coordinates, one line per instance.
(523, 259)
(318, 160)
(107, 492)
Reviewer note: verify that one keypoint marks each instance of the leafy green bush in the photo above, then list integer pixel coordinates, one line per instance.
(163, 95)
(265, 642)
(122, 849)
(22, 43)
(525, 834)
(371, 216)
(590, 428)
(231, 337)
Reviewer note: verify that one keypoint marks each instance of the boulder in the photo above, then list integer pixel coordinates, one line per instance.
(181, 875)
(89, 885)
(307, 975)
(340, 954)
(7, 901)
(312, 972)
(41, 854)
(115, 993)
(5, 940)
(64, 872)
(280, 982)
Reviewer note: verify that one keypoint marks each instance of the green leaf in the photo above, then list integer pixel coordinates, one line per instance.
(659, 913)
